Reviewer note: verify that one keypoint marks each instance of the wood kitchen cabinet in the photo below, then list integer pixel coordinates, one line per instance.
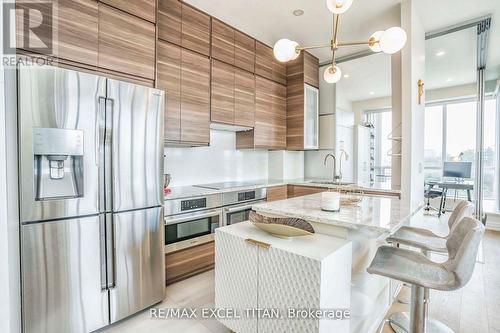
(244, 98)
(222, 102)
(277, 193)
(233, 95)
(188, 262)
(270, 117)
(195, 30)
(222, 42)
(195, 98)
(126, 43)
(170, 21)
(311, 69)
(76, 27)
(267, 66)
(302, 103)
(299, 191)
(169, 80)
(185, 77)
(244, 51)
(263, 60)
(145, 9)
(184, 25)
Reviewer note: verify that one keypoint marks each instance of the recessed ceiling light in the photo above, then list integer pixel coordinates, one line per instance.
(372, 93)
(449, 80)
(346, 75)
(440, 53)
(298, 12)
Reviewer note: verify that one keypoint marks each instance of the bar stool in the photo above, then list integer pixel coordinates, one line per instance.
(426, 241)
(419, 271)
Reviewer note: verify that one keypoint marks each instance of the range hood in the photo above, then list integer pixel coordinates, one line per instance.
(229, 128)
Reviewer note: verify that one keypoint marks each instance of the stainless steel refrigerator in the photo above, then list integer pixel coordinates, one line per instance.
(91, 196)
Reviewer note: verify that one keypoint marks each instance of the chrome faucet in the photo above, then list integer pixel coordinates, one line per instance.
(346, 156)
(336, 178)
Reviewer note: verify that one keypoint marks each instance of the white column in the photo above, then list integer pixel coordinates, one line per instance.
(412, 115)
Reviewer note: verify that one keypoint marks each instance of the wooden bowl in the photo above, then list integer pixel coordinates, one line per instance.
(281, 227)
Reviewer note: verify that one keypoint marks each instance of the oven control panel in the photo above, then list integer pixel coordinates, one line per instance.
(244, 196)
(193, 204)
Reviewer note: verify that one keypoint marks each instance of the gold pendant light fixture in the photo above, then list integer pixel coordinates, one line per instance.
(388, 41)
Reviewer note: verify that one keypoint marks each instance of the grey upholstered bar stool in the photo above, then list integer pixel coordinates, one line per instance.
(426, 241)
(419, 271)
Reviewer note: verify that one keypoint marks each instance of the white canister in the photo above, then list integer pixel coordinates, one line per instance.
(330, 201)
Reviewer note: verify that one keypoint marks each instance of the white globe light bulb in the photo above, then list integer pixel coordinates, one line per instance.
(392, 40)
(338, 6)
(332, 74)
(373, 43)
(285, 50)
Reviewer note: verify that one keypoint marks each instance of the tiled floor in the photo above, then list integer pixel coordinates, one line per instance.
(474, 308)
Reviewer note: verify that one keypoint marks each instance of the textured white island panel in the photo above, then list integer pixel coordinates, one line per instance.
(311, 272)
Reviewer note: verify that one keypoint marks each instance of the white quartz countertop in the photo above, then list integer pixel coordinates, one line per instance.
(178, 192)
(382, 214)
(315, 246)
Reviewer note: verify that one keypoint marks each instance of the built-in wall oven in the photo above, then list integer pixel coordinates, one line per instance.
(238, 204)
(191, 221)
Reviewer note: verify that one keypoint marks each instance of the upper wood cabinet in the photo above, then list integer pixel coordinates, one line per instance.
(195, 98)
(76, 27)
(302, 119)
(244, 51)
(233, 95)
(244, 98)
(185, 77)
(311, 69)
(126, 43)
(222, 102)
(263, 60)
(169, 80)
(195, 30)
(267, 66)
(145, 9)
(184, 25)
(270, 117)
(170, 21)
(222, 42)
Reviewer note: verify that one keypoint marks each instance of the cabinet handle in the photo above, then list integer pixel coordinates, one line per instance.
(258, 243)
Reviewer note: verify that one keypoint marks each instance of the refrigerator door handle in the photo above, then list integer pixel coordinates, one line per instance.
(108, 162)
(102, 251)
(111, 252)
(100, 152)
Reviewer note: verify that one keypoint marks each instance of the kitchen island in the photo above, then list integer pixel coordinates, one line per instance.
(361, 228)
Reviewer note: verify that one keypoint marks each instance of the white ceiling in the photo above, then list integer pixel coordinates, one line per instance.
(269, 21)
(438, 14)
(457, 65)
(369, 77)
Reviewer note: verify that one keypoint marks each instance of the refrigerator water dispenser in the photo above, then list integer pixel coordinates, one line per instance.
(58, 163)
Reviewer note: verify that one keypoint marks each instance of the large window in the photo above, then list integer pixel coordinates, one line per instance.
(450, 135)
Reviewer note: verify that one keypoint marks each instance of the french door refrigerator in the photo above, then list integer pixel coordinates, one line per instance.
(91, 196)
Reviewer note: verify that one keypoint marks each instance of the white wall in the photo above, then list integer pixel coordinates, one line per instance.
(284, 164)
(216, 163)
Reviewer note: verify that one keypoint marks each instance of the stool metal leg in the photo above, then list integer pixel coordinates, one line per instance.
(400, 321)
(417, 313)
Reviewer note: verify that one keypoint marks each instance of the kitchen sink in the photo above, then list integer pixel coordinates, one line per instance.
(332, 183)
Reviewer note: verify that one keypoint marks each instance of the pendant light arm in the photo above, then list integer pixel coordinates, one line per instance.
(356, 43)
(301, 48)
(334, 45)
